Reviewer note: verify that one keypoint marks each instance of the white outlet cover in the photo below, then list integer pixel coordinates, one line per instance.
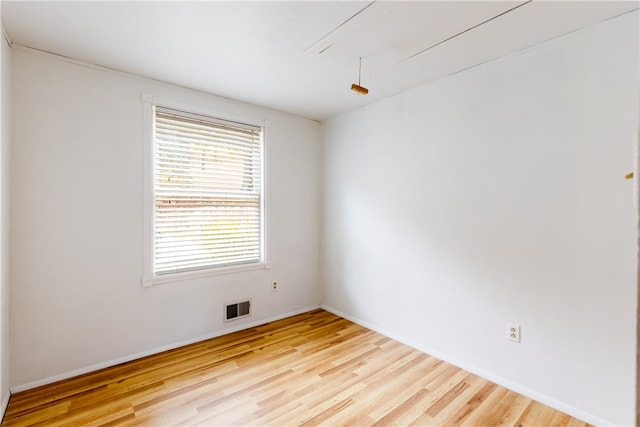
(513, 332)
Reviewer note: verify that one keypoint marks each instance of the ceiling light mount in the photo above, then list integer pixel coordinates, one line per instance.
(356, 87)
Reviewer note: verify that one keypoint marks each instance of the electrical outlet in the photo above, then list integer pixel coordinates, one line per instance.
(513, 332)
(275, 287)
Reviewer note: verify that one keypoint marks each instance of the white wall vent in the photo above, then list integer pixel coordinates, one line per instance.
(237, 310)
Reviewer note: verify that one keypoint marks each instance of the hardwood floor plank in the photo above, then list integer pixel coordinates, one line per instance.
(394, 417)
(454, 413)
(312, 369)
(485, 413)
(514, 406)
(36, 415)
(397, 393)
(267, 415)
(446, 399)
(322, 417)
(120, 421)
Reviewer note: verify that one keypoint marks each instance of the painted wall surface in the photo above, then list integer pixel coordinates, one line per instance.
(77, 298)
(498, 195)
(5, 123)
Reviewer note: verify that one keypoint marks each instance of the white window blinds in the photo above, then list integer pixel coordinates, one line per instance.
(207, 192)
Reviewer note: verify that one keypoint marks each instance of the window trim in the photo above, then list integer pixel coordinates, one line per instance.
(148, 278)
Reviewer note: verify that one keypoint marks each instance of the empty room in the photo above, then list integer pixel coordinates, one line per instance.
(337, 213)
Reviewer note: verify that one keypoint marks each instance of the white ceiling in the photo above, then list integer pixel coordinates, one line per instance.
(298, 57)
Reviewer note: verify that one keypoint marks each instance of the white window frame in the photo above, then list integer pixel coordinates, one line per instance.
(149, 279)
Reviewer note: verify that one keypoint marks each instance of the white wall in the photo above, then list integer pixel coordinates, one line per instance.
(77, 300)
(5, 115)
(497, 195)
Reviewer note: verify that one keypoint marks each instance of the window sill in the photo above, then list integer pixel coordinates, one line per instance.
(189, 275)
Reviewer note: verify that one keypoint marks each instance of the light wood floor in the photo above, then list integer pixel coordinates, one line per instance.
(311, 369)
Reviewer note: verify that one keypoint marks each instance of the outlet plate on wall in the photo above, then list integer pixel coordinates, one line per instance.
(513, 332)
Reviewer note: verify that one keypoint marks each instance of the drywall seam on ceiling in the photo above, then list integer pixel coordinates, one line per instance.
(318, 47)
(540, 43)
(464, 31)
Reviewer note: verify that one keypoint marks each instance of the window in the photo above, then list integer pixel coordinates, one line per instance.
(207, 193)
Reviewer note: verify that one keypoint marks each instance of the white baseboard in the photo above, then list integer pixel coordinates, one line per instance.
(109, 363)
(4, 403)
(518, 388)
